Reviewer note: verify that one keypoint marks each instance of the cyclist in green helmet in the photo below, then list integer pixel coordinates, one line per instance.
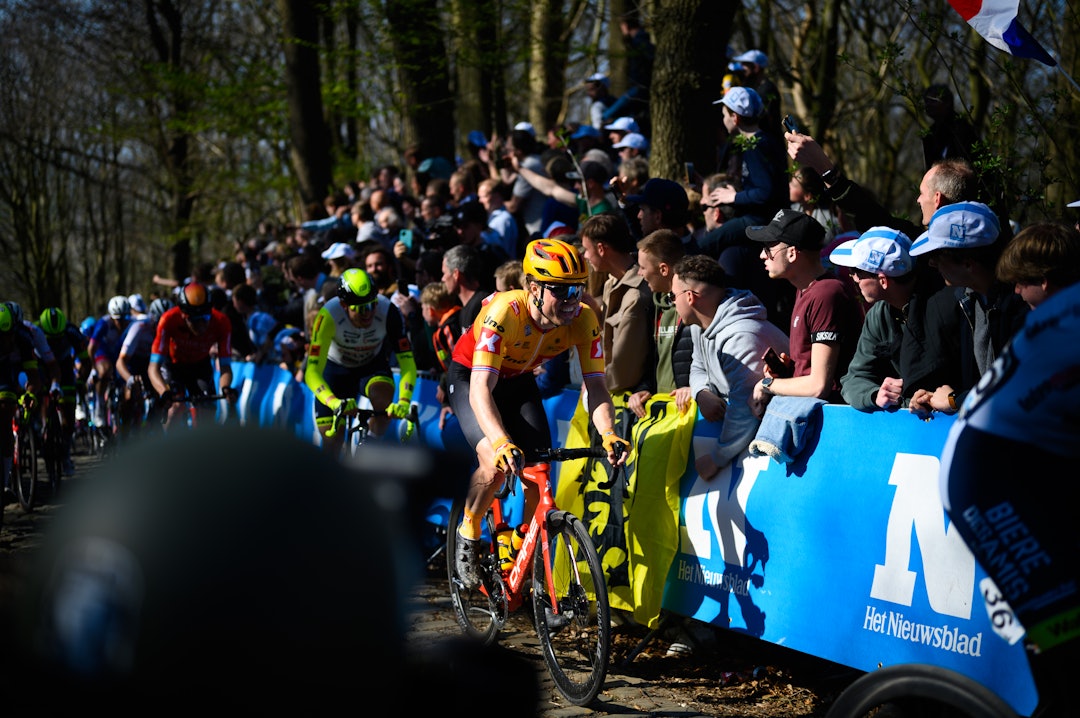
(352, 338)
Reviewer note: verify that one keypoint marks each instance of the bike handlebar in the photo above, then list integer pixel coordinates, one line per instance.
(365, 414)
(556, 453)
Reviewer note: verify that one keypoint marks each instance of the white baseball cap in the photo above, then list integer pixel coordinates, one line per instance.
(632, 139)
(623, 124)
(742, 101)
(338, 250)
(963, 225)
(879, 249)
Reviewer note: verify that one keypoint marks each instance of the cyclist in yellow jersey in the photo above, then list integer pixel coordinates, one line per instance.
(352, 338)
(493, 390)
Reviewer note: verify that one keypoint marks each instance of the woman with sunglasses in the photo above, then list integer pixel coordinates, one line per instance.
(493, 389)
(352, 338)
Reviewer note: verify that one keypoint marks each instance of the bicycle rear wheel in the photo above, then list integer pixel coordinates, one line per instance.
(918, 690)
(576, 641)
(476, 610)
(24, 467)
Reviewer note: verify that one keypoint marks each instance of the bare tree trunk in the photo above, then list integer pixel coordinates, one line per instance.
(547, 61)
(478, 64)
(303, 81)
(420, 54)
(687, 78)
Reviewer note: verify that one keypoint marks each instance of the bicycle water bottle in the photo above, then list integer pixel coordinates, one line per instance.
(517, 539)
(504, 537)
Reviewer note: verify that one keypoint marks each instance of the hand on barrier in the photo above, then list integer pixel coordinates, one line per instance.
(508, 457)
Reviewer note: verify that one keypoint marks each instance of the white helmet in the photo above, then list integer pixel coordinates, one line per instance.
(158, 307)
(138, 304)
(119, 308)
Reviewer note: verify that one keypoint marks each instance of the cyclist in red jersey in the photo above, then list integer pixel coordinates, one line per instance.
(493, 388)
(190, 336)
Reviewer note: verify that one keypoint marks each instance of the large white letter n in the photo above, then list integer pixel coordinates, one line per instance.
(948, 565)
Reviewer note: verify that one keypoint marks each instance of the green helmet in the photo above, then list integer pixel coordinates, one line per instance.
(356, 287)
(53, 321)
(7, 319)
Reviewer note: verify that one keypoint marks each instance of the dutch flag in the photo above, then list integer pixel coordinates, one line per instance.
(996, 21)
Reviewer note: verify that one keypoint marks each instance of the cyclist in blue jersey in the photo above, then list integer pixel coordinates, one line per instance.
(106, 339)
(1006, 465)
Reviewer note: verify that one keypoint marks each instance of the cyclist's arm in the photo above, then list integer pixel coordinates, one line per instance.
(601, 409)
(403, 353)
(154, 372)
(481, 385)
(225, 373)
(407, 382)
(322, 336)
(122, 367)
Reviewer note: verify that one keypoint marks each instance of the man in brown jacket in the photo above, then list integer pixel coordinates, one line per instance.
(626, 307)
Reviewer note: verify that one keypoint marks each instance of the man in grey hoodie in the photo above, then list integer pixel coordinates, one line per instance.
(731, 333)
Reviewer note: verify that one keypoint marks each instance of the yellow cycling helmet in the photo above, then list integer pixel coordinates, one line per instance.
(53, 321)
(7, 319)
(552, 260)
(356, 288)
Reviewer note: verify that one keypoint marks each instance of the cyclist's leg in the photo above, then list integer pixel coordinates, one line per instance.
(345, 384)
(205, 411)
(179, 379)
(8, 399)
(486, 479)
(531, 425)
(102, 379)
(67, 410)
(379, 389)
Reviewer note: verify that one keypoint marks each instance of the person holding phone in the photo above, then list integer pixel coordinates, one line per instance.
(826, 319)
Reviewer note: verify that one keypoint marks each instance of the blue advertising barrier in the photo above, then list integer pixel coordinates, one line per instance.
(847, 555)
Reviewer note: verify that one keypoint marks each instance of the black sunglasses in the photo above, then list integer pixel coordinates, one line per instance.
(564, 292)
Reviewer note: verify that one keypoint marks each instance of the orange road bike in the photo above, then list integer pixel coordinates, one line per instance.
(557, 566)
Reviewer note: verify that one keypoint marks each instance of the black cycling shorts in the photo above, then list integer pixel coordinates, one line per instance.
(518, 401)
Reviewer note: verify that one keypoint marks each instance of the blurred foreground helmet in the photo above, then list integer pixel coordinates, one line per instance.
(164, 582)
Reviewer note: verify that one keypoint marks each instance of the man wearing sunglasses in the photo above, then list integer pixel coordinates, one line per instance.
(493, 390)
(352, 338)
(189, 338)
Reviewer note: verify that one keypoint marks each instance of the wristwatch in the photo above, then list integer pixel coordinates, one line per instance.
(952, 401)
(766, 383)
(830, 176)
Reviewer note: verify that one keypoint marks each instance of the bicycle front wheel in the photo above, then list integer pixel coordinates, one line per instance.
(576, 639)
(475, 609)
(917, 689)
(25, 468)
